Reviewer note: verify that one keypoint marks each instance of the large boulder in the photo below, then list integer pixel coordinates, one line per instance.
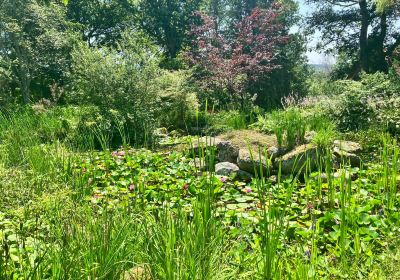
(198, 163)
(338, 175)
(309, 136)
(294, 161)
(346, 152)
(275, 152)
(227, 152)
(343, 157)
(244, 176)
(226, 168)
(253, 162)
(197, 145)
(347, 146)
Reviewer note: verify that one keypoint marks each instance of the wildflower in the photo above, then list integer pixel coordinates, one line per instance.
(121, 153)
(222, 179)
(84, 170)
(132, 187)
(310, 205)
(185, 187)
(114, 154)
(248, 190)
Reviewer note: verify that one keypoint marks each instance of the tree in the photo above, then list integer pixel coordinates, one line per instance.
(35, 42)
(357, 28)
(168, 21)
(291, 75)
(231, 65)
(102, 22)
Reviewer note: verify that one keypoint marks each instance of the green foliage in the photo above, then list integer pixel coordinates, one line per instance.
(382, 5)
(168, 22)
(289, 78)
(224, 121)
(35, 45)
(324, 136)
(132, 210)
(102, 23)
(371, 102)
(363, 50)
(178, 99)
(289, 126)
(119, 81)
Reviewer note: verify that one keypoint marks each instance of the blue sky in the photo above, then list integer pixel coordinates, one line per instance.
(313, 56)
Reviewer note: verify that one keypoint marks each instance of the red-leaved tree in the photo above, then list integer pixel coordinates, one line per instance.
(230, 64)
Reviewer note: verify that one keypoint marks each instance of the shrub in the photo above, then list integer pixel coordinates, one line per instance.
(373, 101)
(178, 99)
(120, 81)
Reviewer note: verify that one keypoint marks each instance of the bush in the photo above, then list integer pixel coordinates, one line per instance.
(371, 102)
(178, 99)
(120, 82)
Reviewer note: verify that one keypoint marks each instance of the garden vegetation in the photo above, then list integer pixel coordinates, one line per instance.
(192, 140)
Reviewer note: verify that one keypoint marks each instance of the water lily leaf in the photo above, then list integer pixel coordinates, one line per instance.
(364, 219)
(244, 198)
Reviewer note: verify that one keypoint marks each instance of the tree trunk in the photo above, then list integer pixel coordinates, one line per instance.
(364, 35)
(382, 63)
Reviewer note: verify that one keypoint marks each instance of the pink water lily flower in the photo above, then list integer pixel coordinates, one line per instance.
(248, 190)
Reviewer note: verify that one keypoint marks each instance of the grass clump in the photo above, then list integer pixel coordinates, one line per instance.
(290, 127)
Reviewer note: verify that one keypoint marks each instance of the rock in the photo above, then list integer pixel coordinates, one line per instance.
(338, 174)
(226, 168)
(274, 152)
(273, 179)
(344, 157)
(198, 163)
(252, 162)
(347, 146)
(199, 144)
(139, 272)
(244, 176)
(309, 136)
(176, 133)
(293, 162)
(161, 132)
(227, 152)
